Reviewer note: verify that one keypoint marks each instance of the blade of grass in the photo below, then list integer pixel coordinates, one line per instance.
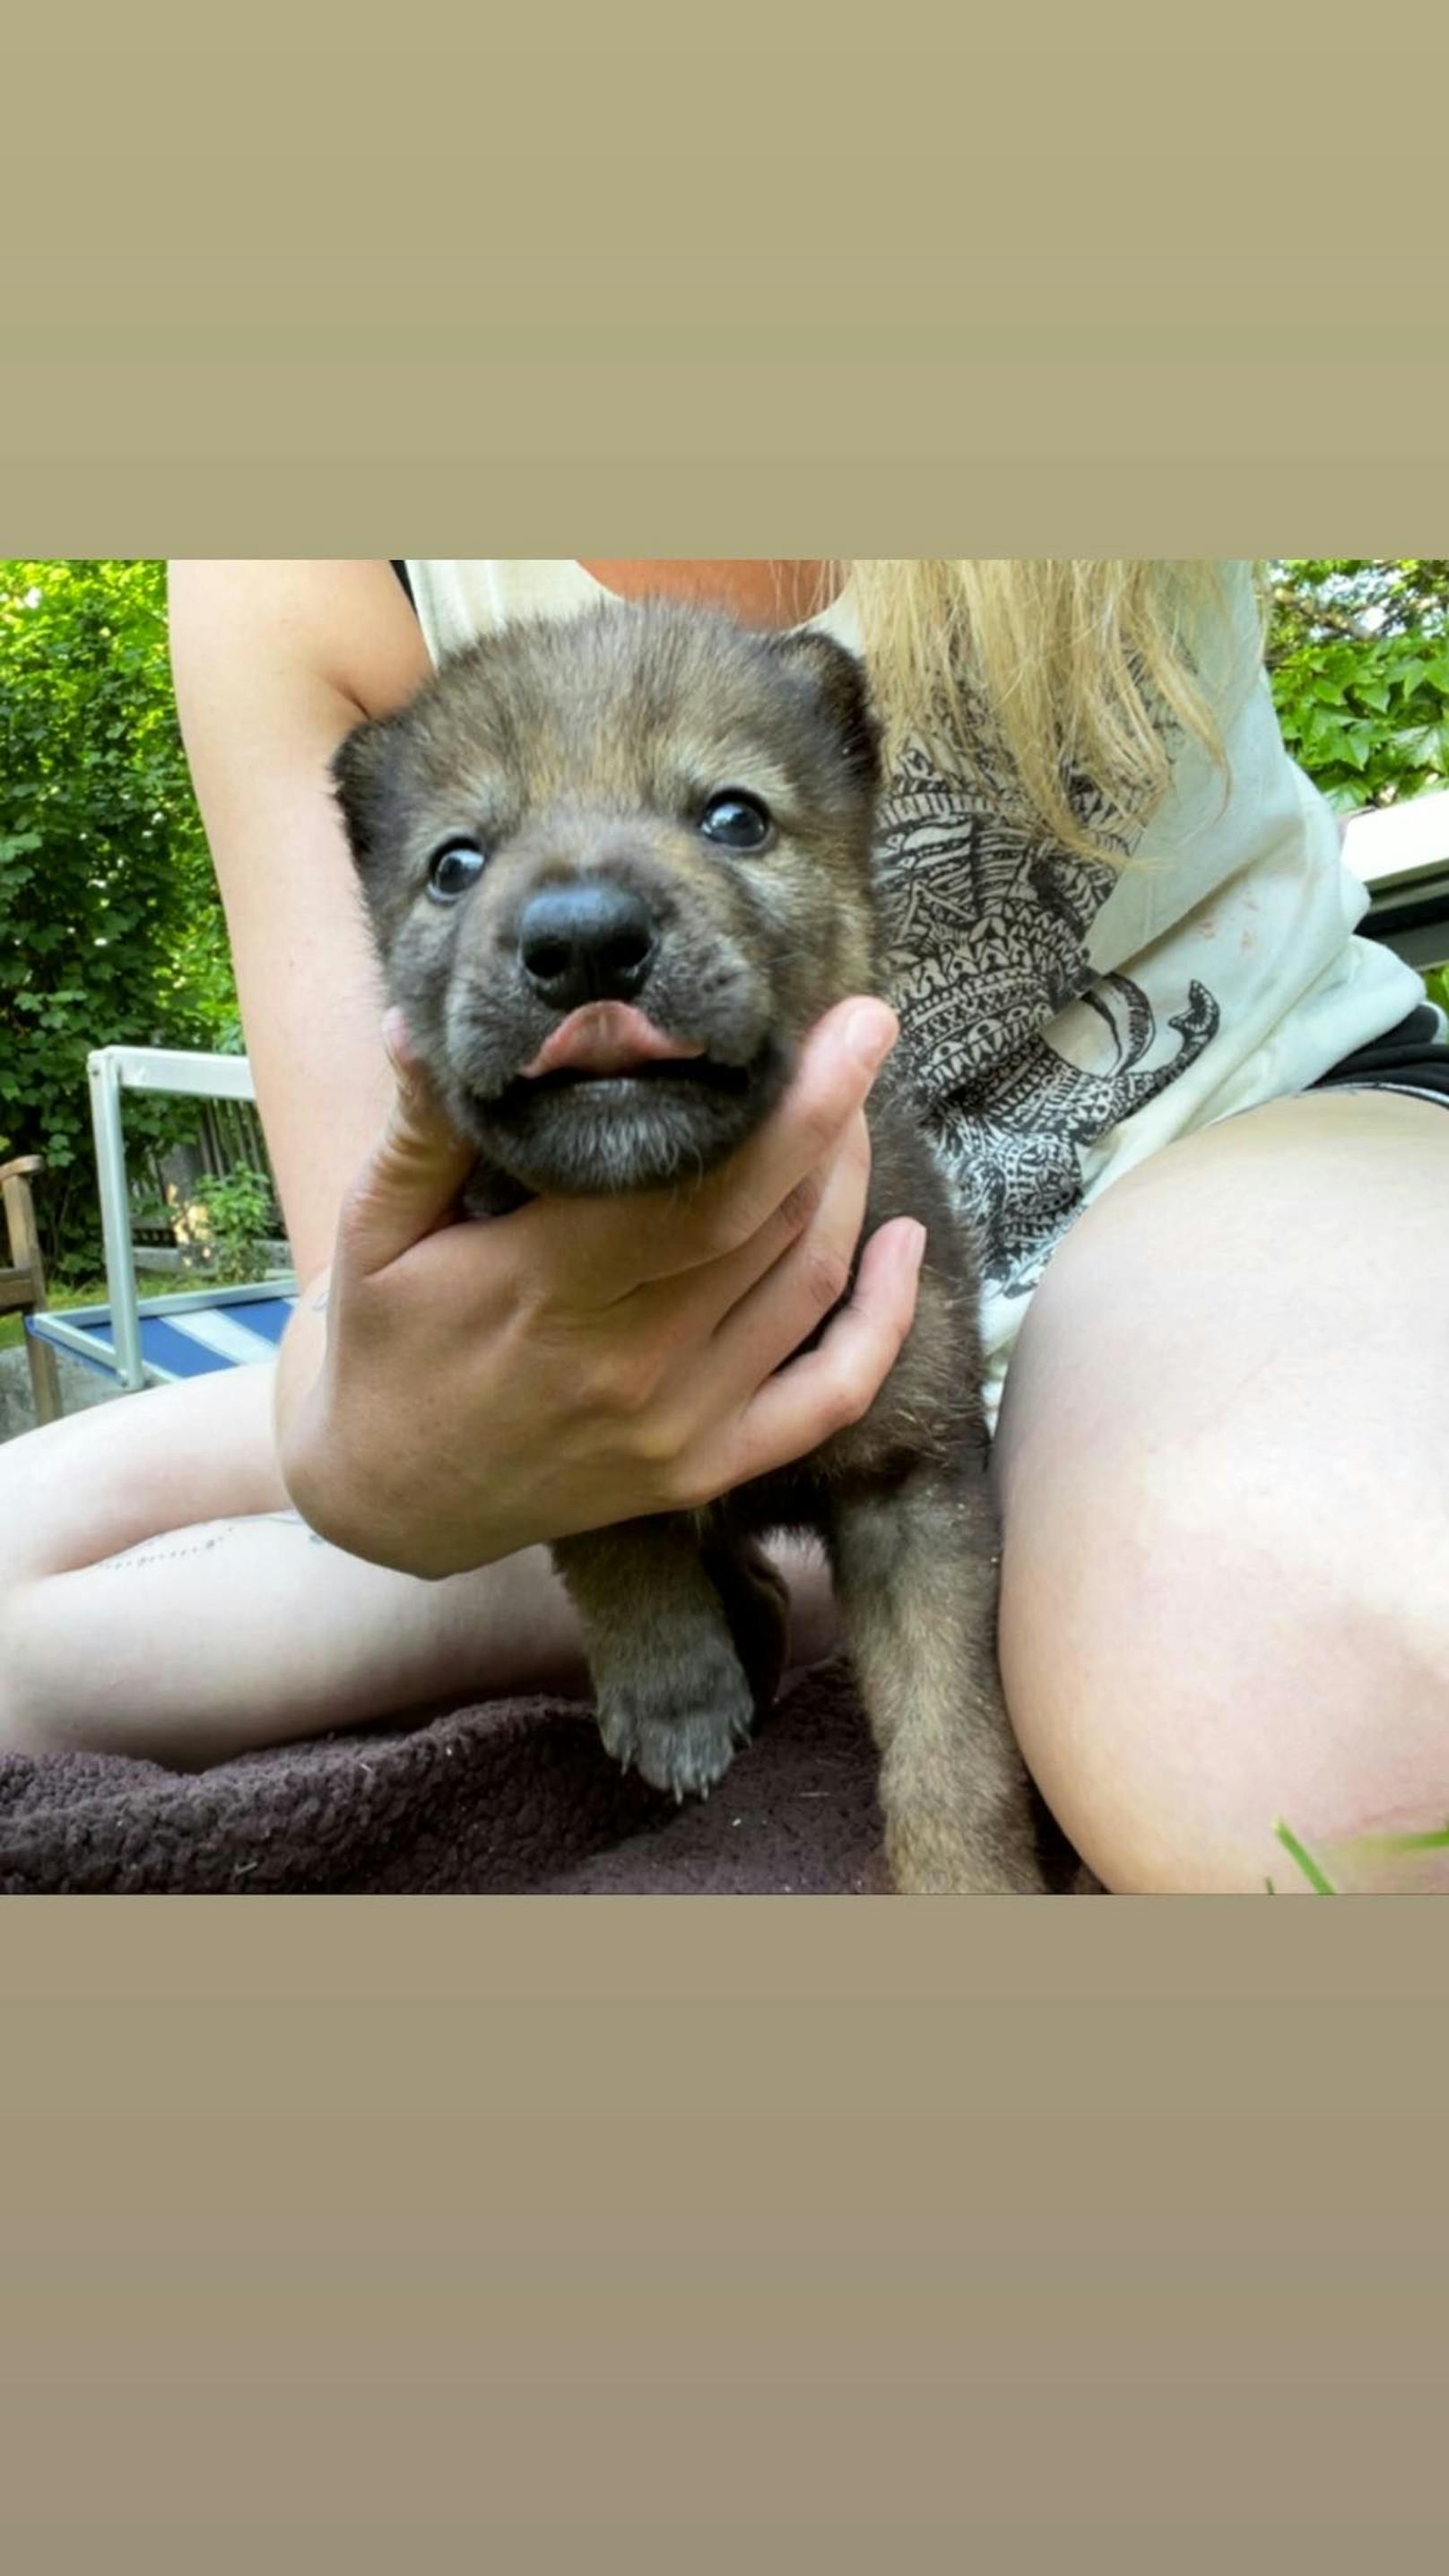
(1405, 1842)
(1320, 1884)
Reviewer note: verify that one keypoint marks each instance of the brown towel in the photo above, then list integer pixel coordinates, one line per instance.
(517, 1797)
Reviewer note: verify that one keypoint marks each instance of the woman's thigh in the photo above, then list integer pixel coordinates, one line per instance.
(101, 1480)
(1223, 1464)
(157, 1595)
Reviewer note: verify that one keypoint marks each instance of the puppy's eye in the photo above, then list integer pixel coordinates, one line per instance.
(736, 821)
(453, 869)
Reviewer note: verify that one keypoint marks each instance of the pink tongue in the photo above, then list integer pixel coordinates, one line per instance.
(604, 1038)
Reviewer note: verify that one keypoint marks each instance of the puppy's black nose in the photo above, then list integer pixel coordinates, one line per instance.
(587, 941)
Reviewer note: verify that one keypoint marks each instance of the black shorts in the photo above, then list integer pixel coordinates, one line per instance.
(1412, 1058)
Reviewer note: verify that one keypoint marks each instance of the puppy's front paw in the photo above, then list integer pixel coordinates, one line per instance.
(680, 1732)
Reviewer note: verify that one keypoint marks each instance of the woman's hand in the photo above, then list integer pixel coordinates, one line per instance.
(585, 1361)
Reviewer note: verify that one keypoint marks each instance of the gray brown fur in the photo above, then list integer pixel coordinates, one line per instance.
(591, 746)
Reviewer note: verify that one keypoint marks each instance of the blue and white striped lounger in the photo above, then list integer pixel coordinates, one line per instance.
(185, 1336)
(153, 1341)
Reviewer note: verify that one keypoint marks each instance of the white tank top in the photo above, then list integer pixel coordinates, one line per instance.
(1060, 1018)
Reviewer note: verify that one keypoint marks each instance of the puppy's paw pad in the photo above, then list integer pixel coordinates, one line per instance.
(683, 1751)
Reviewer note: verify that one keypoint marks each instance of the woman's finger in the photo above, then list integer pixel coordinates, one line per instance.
(410, 1182)
(771, 1182)
(834, 1384)
(770, 1314)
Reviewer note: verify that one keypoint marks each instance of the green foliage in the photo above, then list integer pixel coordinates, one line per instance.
(1358, 655)
(229, 1228)
(110, 925)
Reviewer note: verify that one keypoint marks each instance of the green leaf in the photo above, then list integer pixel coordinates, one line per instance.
(1327, 692)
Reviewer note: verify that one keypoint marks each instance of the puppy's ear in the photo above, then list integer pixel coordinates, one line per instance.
(839, 677)
(361, 771)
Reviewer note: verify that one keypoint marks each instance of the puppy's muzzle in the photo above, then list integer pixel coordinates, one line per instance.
(589, 940)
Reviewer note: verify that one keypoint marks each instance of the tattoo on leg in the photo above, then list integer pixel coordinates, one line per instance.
(169, 1546)
(161, 1551)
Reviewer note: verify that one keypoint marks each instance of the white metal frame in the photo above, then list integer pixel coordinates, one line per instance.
(112, 1071)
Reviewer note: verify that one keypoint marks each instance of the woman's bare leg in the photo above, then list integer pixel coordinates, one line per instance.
(1223, 1462)
(158, 1596)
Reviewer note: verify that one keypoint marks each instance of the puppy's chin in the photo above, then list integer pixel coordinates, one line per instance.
(599, 1135)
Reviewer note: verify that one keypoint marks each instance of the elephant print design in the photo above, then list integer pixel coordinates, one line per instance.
(985, 944)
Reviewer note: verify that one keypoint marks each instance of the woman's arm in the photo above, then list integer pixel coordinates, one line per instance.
(473, 1389)
(274, 663)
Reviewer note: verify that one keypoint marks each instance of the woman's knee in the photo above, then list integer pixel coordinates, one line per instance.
(1225, 1579)
(1193, 1659)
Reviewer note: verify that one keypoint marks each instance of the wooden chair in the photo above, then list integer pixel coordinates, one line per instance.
(22, 1286)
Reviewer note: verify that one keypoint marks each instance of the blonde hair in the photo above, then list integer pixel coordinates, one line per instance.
(1062, 683)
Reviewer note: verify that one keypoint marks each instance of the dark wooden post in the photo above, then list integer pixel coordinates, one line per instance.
(22, 1286)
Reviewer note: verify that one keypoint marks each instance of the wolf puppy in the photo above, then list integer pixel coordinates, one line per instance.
(616, 868)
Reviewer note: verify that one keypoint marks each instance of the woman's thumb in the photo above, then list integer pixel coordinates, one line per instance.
(410, 1183)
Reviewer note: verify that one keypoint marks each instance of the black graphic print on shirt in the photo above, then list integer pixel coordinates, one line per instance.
(986, 932)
